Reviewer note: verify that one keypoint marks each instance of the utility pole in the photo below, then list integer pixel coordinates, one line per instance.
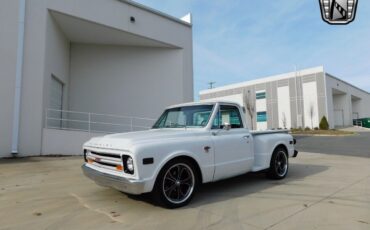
(211, 84)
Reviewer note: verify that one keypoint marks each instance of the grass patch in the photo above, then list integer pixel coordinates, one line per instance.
(330, 132)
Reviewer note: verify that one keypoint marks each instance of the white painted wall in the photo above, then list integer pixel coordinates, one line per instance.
(47, 51)
(344, 101)
(128, 81)
(41, 61)
(71, 144)
(8, 47)
(310, 101)
(284, 107)
(57, 59)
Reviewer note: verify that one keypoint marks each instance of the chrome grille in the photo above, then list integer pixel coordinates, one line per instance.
(105, 160)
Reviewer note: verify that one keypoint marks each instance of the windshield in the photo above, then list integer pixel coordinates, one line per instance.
(187, 116)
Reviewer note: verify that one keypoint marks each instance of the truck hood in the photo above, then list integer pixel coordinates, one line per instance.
(126, 141)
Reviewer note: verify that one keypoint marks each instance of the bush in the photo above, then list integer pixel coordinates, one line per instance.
(307, 129)
(316, 128)
(324, 124)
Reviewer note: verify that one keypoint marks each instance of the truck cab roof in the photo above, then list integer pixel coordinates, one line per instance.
(205, 103)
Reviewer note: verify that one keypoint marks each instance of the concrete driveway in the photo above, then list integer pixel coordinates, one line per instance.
(320, 192)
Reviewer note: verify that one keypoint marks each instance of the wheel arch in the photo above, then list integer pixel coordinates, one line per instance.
(279, 145)
(282, 145)
(188, 158)
(178, 155)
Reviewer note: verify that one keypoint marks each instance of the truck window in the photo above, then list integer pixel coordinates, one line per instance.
(228, 114)
(196, 116)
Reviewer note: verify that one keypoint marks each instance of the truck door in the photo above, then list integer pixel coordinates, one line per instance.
(233, 143)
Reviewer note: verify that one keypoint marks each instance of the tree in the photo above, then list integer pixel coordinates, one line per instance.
(324, 124)
(283, 119)
(312, 112)
(250, 106)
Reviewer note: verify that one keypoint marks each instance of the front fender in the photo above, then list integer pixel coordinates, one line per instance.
(170, 157)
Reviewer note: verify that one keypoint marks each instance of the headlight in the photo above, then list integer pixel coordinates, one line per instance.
(85, 153)
(130, 164)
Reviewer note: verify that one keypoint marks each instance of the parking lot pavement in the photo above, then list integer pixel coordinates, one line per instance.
(353, 145)
(321, 192)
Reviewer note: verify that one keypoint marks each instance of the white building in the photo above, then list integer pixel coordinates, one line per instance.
(92, 57)
(296, 99)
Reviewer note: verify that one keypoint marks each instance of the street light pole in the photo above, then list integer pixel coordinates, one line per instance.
(211, 84)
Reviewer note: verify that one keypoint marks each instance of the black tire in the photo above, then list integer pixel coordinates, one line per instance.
(176, 184)
(279, 164)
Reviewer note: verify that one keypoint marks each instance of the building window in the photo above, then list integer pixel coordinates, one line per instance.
(261, 95)
(261, 116)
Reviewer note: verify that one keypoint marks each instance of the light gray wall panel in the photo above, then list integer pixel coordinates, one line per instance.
(321, 97)
(128, 81)
(8, 59)
(293, 102)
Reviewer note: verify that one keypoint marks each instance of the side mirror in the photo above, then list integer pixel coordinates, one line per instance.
(226, 126)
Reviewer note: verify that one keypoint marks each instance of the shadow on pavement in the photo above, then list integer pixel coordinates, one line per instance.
(242, 185)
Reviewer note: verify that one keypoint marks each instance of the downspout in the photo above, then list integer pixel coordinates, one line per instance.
(18, 76)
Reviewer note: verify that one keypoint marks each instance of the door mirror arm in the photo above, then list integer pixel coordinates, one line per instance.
(226, 126)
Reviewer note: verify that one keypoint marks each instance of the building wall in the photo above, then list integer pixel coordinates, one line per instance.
(47, 51)
(285, 94)
(57, 59)
(310, 103)
(128, 81)
(342, 101)
(284, 111)
(8, 58)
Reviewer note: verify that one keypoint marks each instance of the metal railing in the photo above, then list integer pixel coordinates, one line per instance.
(94, 122)
(357, 122)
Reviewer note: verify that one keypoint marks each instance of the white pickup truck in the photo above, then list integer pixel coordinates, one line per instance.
(190, 144)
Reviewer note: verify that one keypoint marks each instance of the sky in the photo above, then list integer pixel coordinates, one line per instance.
(241, 40)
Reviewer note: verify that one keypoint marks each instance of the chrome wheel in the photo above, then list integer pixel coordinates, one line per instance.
(178, 183)
(281, 164)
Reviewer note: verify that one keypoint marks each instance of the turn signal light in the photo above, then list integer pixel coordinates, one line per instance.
(90, 161)
(119, 167)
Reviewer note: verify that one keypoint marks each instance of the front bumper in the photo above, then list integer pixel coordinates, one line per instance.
(120, 183)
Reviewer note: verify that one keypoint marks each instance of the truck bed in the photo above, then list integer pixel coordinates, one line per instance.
(255, 132)
(263, 143)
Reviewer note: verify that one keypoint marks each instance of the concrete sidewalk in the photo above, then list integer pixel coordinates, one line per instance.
(320, 192)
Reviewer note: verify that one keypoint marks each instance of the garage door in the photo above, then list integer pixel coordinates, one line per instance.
(55, 103)
(338, 118)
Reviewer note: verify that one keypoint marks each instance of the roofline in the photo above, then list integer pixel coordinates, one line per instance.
(265, 79)
(345, 82)
(157, 12)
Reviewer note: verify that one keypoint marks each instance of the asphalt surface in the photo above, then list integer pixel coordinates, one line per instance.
(354, 145)
(321, 191)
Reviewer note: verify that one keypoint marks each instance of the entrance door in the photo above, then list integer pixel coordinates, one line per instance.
(55, 106)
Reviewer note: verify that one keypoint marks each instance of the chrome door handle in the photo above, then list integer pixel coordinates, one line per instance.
(246, 137)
